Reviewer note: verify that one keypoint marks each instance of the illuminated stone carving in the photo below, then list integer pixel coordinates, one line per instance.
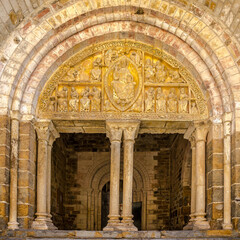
(123, 79)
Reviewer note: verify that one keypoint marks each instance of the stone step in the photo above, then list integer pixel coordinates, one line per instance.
(65, 234)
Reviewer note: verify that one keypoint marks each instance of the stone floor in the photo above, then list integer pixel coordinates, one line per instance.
(59, 234)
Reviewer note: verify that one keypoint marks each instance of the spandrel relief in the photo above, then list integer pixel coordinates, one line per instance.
(123, 77)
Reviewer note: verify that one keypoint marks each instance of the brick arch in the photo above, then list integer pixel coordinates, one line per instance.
(157, 21)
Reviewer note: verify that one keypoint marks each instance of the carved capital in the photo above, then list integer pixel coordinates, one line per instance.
(130, 133)
(192, 140)
(45, 129)
(201, 131)
(114, 131)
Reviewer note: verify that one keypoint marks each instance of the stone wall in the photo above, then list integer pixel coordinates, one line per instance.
(162, 189)
(180, 191)
(4, 169)
(58, 183)
(214, 176)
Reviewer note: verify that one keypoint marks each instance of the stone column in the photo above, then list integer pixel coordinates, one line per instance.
(130, 133)
(13, 224)
(200, 214)
(189, 226)
(43, 129)
(114, 132)
(227, 224)
(54, 134)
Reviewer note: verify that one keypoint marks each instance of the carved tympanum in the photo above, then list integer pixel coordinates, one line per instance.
(123, 76)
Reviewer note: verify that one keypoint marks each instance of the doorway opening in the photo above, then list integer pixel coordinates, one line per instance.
(81, 175)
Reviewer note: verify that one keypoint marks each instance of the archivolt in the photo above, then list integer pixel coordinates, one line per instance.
(211, 62)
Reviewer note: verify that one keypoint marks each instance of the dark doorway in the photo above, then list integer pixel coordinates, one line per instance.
(137, 214)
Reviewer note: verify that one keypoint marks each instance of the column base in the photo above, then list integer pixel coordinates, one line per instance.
(127, 224)
(201, 223)
(189, 226)
(13, 225)
(227, 226)
(43, 222)
(50, 224)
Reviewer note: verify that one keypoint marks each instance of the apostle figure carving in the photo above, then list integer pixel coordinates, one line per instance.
(72, 75)
(96, 99)
(160, 101)
(74, 101)
(149, 100)
(85, 101)
(51, 105)
(136, 57)
(149, 71)
(160, 72)
(183, 101)
(194, 109)
(110, 56)
(172, 101)
(96, 72)
(123, 85)
(62, 100)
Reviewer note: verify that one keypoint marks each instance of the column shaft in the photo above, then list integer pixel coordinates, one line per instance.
(42, 180)
(114, 182)
(114, 132)
(189, 226)
(127, 181)
(13, 224)
(200, 219)
(227, 224)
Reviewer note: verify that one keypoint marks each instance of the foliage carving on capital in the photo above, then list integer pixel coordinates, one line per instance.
(46, 131)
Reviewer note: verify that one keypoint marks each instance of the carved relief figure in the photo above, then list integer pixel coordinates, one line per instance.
(74, 101)
(110, 56)
(96, 99)
(160, 72)
(122, 84)
(149, 71)
(160, 101)
(174, 76)
(172, 101)
(85, 101)
(62, 100)
(149, 100)
(96, 72)
(135, 56)
(82, 75)
(183, 101)
(51, 105)
(194, 109)
(72, 75)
